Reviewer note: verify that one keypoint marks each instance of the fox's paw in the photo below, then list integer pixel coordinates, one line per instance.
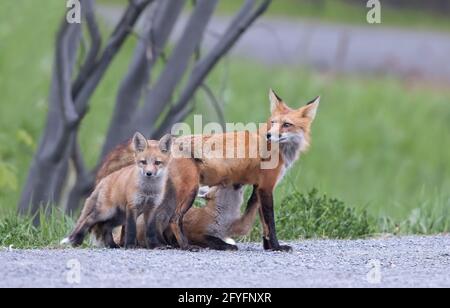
(164, 248)
(192, 248)
(232, 248)
(129, 247)
(283, 248)
(158, 246)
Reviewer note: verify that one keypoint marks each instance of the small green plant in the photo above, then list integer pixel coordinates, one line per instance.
(19, 232)
(314, 216)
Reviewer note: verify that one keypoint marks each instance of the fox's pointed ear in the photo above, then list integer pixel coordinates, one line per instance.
(310, 110)
(275, 101)
(139, 142)
(165, 144)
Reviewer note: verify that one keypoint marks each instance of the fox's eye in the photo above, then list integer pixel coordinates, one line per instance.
(158, 163)
(287, 125)
(144, 162)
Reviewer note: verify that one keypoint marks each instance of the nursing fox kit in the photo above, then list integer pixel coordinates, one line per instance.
(164, 188)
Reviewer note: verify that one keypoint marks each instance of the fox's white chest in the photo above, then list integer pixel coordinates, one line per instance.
(149, 194)
(290, 153)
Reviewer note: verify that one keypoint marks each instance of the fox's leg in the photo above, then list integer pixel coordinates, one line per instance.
(186, 197)
(97, 238)
(218, 244)
(243, 225)
(184, 180)
(122, 237)
(157, 221)
(268, 221)
(88, 219)
(130, 228)
(108, 238)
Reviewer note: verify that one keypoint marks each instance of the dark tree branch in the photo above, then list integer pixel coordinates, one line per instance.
(215, 103)
(95, 45)
(203, 67)
(120, 34)
(84, 181)
(64, 69)
(176, 66)
(155, 37)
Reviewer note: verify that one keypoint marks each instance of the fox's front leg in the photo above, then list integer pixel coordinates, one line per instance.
(130, 228)
(268, 221)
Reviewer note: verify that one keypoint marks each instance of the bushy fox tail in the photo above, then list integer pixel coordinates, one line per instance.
(122, 156)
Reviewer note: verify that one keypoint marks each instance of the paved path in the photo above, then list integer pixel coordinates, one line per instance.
(324, 46)
(394, 262)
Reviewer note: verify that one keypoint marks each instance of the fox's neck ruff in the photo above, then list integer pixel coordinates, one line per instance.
(150, 190)
(291, 150)
(150, 185)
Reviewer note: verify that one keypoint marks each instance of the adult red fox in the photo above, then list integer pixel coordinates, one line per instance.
(287, 135)
(123, 195)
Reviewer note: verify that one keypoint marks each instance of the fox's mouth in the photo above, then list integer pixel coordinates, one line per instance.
(279, 140)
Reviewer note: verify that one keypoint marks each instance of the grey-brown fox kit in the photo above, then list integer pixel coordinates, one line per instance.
(123, 195)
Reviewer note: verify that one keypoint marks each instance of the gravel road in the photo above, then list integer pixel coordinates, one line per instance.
(388, 262)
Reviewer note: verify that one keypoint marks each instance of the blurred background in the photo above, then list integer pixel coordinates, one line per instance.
(381, 141)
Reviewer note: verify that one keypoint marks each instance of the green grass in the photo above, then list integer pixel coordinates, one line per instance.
(19, 232)
(379, 144)
(314, 216)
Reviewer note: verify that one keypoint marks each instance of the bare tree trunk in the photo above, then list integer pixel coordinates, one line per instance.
(44, 182)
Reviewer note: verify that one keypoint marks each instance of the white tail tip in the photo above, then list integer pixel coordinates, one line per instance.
(65, 242)
(230, 241)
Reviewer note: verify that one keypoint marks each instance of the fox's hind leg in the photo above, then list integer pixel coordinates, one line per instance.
(186, 184)
(92, 214)
(244, 224)
(108, 237)
(85, 223)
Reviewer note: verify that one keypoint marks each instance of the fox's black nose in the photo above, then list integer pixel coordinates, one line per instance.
(269, 136)
(149, 174)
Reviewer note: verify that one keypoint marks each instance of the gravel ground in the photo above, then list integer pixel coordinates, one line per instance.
(388, 262)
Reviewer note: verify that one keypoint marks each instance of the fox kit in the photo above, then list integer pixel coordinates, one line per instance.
(123, 195)
(214, 225)
(288, 128)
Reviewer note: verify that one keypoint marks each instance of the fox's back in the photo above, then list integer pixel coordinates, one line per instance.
(227, 158)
